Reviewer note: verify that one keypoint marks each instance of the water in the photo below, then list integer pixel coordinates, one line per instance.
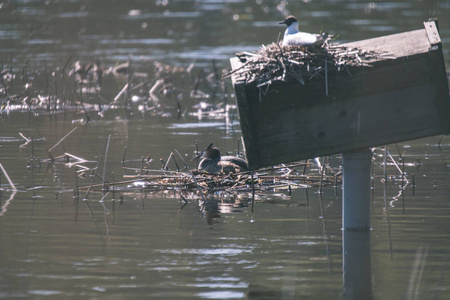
(153, 245)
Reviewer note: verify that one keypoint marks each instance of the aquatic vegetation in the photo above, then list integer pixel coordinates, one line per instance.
(150, 87)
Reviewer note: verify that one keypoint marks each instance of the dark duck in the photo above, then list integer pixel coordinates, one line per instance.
(214, 163)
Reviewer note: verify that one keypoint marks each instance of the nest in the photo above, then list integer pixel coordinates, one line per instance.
(299, 63)
(286, 177)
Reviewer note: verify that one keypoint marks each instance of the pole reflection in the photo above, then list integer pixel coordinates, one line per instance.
(357, 274)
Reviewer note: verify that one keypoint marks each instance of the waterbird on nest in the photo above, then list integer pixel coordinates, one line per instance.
(214, 163)
(294, 37)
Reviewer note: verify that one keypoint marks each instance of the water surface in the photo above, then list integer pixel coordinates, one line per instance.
(152, 244)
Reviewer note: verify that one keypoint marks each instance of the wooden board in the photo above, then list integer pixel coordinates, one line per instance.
(395, 100)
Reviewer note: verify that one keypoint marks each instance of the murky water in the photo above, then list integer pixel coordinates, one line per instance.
(154, 245)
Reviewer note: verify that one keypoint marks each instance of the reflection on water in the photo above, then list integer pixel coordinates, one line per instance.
(155, 244)
(356, 265)
(146, 244)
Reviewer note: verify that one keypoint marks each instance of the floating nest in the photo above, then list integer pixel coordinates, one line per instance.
(279, 178)
(286, 177)
(299, 63)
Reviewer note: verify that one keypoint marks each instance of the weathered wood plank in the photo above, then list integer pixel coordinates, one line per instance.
(339, 126)
(440, 83)
(432, 32)
(399, 45)
(395, 100)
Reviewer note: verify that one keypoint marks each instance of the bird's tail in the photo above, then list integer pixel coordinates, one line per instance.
(322, 40)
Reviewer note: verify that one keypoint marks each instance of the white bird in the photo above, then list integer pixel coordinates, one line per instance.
(294, 37)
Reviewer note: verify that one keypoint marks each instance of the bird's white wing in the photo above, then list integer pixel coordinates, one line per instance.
(300, 38)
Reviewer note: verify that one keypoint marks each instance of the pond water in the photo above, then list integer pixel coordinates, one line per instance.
(152, 244)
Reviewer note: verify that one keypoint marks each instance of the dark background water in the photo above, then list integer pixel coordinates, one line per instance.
(146, 246)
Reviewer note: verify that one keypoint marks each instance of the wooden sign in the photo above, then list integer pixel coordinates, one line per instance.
(399, 98)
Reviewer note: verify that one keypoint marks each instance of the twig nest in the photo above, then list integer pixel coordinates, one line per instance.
(301, 63)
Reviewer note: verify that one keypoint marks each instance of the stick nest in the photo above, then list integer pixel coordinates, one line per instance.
(301, 63)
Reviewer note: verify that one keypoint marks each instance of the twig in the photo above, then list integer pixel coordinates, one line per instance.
(123, 156)
(184, 162)
(103, 203)
(197, 81)
(13, 187)
(4, 207)
(168, 160)
(121, 92)
(27, 140)
(60, 141)
(80, 160)
(106, 156)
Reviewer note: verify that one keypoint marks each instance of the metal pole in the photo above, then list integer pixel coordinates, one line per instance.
(356, 191)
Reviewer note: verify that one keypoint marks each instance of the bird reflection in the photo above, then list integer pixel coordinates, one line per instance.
(214, 206)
